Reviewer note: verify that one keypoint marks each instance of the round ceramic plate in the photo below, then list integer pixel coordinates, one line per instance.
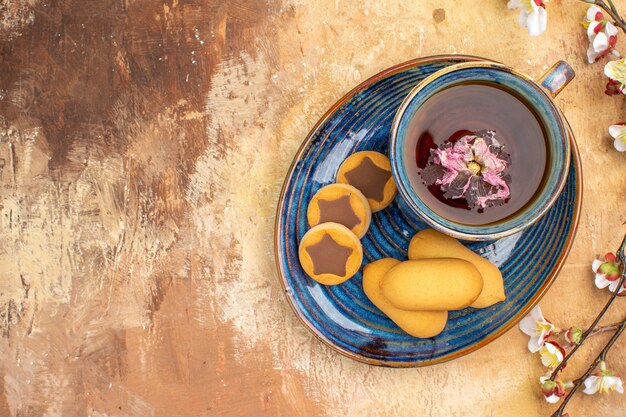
(341, 315)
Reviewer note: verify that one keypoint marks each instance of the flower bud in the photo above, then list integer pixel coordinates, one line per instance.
(611, 270)
(573, 335)
(552, 390)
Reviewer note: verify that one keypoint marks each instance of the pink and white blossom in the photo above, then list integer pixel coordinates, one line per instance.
(601, 33)
(616, 71)
(552, 354)
(618, 133)
(533, 15)
(537, 327)
(607, 272)
(603, 382)
(552, 390)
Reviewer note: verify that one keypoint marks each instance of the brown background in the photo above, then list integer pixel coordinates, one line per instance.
(143, 145)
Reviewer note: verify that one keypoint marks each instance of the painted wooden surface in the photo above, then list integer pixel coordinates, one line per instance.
(142, 148)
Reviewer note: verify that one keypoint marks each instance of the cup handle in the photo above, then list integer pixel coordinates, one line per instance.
(557, 77)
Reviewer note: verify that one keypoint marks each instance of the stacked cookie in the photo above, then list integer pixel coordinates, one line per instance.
(340, 214)
(440, 275)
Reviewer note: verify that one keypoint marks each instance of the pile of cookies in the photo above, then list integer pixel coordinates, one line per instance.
(339, 215)
(440, 275)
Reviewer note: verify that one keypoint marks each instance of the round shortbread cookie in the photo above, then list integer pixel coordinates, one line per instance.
(343, 204)
(370, 173)
(330, 253)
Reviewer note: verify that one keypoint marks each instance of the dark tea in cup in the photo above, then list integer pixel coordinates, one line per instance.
(480, 153)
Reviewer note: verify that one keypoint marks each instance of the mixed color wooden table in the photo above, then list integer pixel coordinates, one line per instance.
(143, 145)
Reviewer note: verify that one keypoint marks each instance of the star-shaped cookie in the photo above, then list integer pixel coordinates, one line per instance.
(328, 256)
(339, 211)
(369, 178)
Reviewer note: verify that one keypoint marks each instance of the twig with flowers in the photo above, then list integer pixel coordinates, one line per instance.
(602, 34)
(610, 272)
(601, 23)
(611, 10)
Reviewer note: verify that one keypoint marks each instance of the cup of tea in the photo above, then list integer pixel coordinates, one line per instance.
(479, 150)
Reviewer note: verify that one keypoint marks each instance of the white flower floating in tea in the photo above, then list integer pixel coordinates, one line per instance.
(473, 167)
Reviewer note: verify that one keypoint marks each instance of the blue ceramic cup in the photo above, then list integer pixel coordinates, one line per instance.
(537, 97)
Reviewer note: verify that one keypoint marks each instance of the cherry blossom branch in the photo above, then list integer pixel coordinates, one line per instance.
(606, 328)
(611, 10)
(601, 356)
(590, 329)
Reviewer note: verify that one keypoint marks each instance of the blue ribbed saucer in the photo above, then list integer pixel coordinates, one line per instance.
(342, 316)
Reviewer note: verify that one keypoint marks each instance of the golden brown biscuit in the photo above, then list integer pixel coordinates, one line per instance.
(416, 323)
(343, 204)
(370, 173)
(432, 284)
(430, 243)
(330, 253)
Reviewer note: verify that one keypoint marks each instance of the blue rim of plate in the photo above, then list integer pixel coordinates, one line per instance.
(341, 316)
